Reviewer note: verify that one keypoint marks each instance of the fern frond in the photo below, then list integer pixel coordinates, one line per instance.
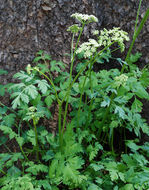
(36, 168)
(23, 76)
(93, 150)
(31, 91)
(42, 85)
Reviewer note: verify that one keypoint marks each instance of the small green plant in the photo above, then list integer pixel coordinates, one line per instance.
(97, 145)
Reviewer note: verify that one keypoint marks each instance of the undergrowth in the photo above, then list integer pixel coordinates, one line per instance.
(98, 145)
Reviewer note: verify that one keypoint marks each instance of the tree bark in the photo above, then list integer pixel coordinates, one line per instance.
(31, 25)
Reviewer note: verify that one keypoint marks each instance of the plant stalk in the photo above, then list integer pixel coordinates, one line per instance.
(70, 77)
(136, 34)
(36, 140)
(126, 60)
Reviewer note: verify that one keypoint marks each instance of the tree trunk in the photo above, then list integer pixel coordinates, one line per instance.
(31, 25)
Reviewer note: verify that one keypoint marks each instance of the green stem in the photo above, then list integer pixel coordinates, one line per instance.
(73, 58)
(36, 140)
(83, 68)
(126, 60)
(7, 148)
(106, 114)
(135, 37)
(137, 16)
(125, 140)
(72, 46)
(46, 64)
(59, 125)
(58, 100)
(23, 153)
(68, 91)
(91, 103)
(112, 146)
(3, 172)
(7, 107)
(70, 77)
(71, 84)
(82, 90)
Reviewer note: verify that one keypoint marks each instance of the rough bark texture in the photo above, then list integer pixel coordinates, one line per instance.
(30, 25)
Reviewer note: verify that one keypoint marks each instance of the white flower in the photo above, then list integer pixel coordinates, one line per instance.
(95, 32)
(74, 28)
(106, 37)
(29, 69)
(88, 48)
(84, 18)
(121, 80)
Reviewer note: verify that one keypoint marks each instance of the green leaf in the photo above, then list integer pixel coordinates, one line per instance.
(40, 52)
(79, 66)
(31, 91)
(3, 72)
(99, 180)
(16, 102)
(132, 145)
(121, 176)
(104, 56)
(76, 88)
(23, 76)
(64, 85)
(96, 167)
(120, 99)
(23, 95)
(62, 94)
(3, 140)
(36, 101)
(48, 100)
(120, 112)
(129, 161)
(20, 140)
(36, 168)
(142, 161)
(2, 90)
(136, 106)
(127, 187)
(94, 187)
(36, 59)
(106, 102)
(113, 175)
(93, 150)
(49, 155)
(17, 86)
(9, 131)
(144, 79)
(141, 92)
(3, 110)
(43, 85)
(24, 98)
(45, 184)
(9, 120)
(55, 66)
(14, 171)
(31, 137)
(134, 58)
(121, 62)
(47, 57)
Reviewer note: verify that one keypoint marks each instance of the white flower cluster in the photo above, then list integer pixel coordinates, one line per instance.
(95, 32)
(114, 35)
(29, 69)
(120, 80)
(88, 48)
(84, 18)
(74, 28)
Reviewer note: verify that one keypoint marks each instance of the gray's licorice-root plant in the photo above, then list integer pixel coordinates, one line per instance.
(98, 144)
